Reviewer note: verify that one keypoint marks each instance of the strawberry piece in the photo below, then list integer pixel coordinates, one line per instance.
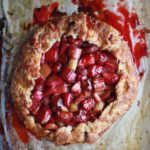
(74, 51)
(57, 90)
(54, 80)
(99, 84)
(81, 74)
(81, 117)
(64, 117)
(56, 68)
(67, 98)
(105, 95)
(52, 54)
(44, 115)
(45, 70)
(76, 87)
(94, 70)
(86, 85)
(88, 104)
(86, 60)
(110, 78)
(68, 75)
(89, 48)
(51, 126)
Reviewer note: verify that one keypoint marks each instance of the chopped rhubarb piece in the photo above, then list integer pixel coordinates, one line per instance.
(97, 96)
(88, 104)
(81, 74)
(56, 101)
(56, 68)
(99, 84)
(70, 40)
(51, 126)
(81, 117)
(110, 78)
(35, 106)
(68, 75)
(74, 51)
(107, 56)
(45, 101)
(87, 85)
(57, 90)
(97, 57)
(44, 115)
(67, 98)
(72, 64)
(38, 95)
(76, 87)
(94, 70)
(99, 107)
(52, 54)
(36, 100)
(89, 48)
(79, 99)
(105, 95)
(54, 80)
(63, 59)
(64, 117)
(73, 107)
(63, 48)
(109, 67)
(39, 81)
(45, 70)
(86, 60)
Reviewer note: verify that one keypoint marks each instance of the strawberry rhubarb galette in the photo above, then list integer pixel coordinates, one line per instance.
(73, 80)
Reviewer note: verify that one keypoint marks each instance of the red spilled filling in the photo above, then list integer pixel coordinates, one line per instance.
(44, 13)
(77, 82)
(126, 23)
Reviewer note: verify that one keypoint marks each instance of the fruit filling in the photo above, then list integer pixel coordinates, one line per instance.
(77, 82)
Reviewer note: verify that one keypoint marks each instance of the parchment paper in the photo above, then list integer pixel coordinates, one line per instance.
(131, 132)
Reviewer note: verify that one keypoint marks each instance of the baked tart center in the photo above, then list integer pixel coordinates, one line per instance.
(77, 82)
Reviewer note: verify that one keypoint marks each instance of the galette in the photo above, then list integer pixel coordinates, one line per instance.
(73, 79)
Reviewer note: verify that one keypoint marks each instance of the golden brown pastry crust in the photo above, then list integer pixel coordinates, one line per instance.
(27, 70)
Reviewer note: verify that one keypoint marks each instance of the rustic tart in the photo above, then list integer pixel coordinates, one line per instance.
(74, 78)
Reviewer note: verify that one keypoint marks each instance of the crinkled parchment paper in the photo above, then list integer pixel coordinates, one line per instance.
(131, 132)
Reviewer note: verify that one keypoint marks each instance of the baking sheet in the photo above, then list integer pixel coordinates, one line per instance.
(131, 132)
